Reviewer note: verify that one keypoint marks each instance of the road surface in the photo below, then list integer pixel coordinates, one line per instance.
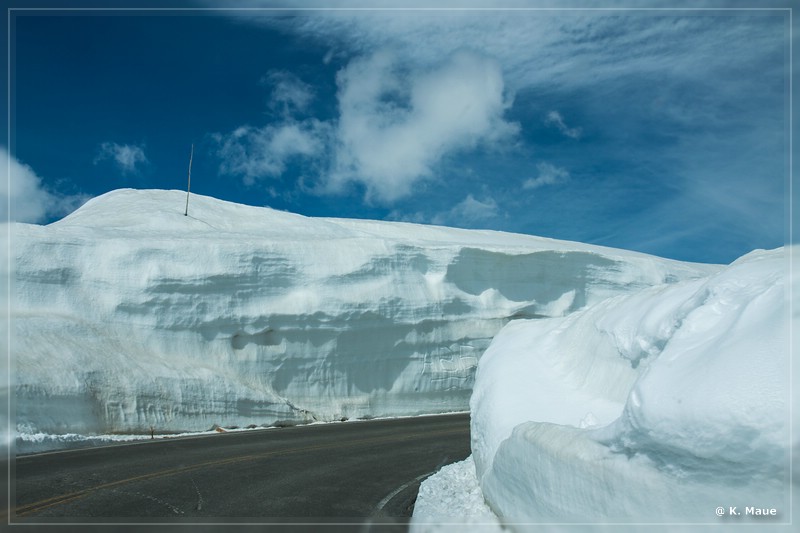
(349, 473)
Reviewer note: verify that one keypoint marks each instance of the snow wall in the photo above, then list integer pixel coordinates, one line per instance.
(128, 315)
(668, 405)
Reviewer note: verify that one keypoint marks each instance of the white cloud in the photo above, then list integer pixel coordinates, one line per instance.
(126, 156)
(23, 197)
(255, 153)
(289, 93)
(264, 152)
(555, 118)
(468, 212)
(704, 82)
(395, 123)
(398, 121)
(473, 210)
(548, 175)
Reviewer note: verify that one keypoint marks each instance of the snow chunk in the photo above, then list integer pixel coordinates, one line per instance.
(452, 497)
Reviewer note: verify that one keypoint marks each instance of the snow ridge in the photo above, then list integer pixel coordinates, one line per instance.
(128, 315)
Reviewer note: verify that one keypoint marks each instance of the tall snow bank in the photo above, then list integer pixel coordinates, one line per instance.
(652, 407)
(128, 314)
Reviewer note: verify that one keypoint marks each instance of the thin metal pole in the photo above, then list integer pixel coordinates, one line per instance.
(189, 185)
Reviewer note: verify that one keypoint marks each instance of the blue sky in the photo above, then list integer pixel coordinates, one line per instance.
(660, 131)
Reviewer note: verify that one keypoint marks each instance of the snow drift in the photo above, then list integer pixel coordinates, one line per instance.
(650, 407)
(128, 314)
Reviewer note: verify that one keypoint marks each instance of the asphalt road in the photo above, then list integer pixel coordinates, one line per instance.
(365, 472)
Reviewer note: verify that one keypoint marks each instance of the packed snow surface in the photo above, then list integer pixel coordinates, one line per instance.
(655, 406)
(128, 315)
(452, 498)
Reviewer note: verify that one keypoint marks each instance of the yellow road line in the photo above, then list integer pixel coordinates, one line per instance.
(30, 508)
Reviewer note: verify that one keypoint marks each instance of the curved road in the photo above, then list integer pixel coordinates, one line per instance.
(363, 472)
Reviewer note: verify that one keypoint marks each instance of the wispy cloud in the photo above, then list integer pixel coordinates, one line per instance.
(549, 174)
(29, 199)
(128, 157)
(265, 152)
(289, 94)
(555, 118)
(469, 212)
(553, 47)
(258, 152)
